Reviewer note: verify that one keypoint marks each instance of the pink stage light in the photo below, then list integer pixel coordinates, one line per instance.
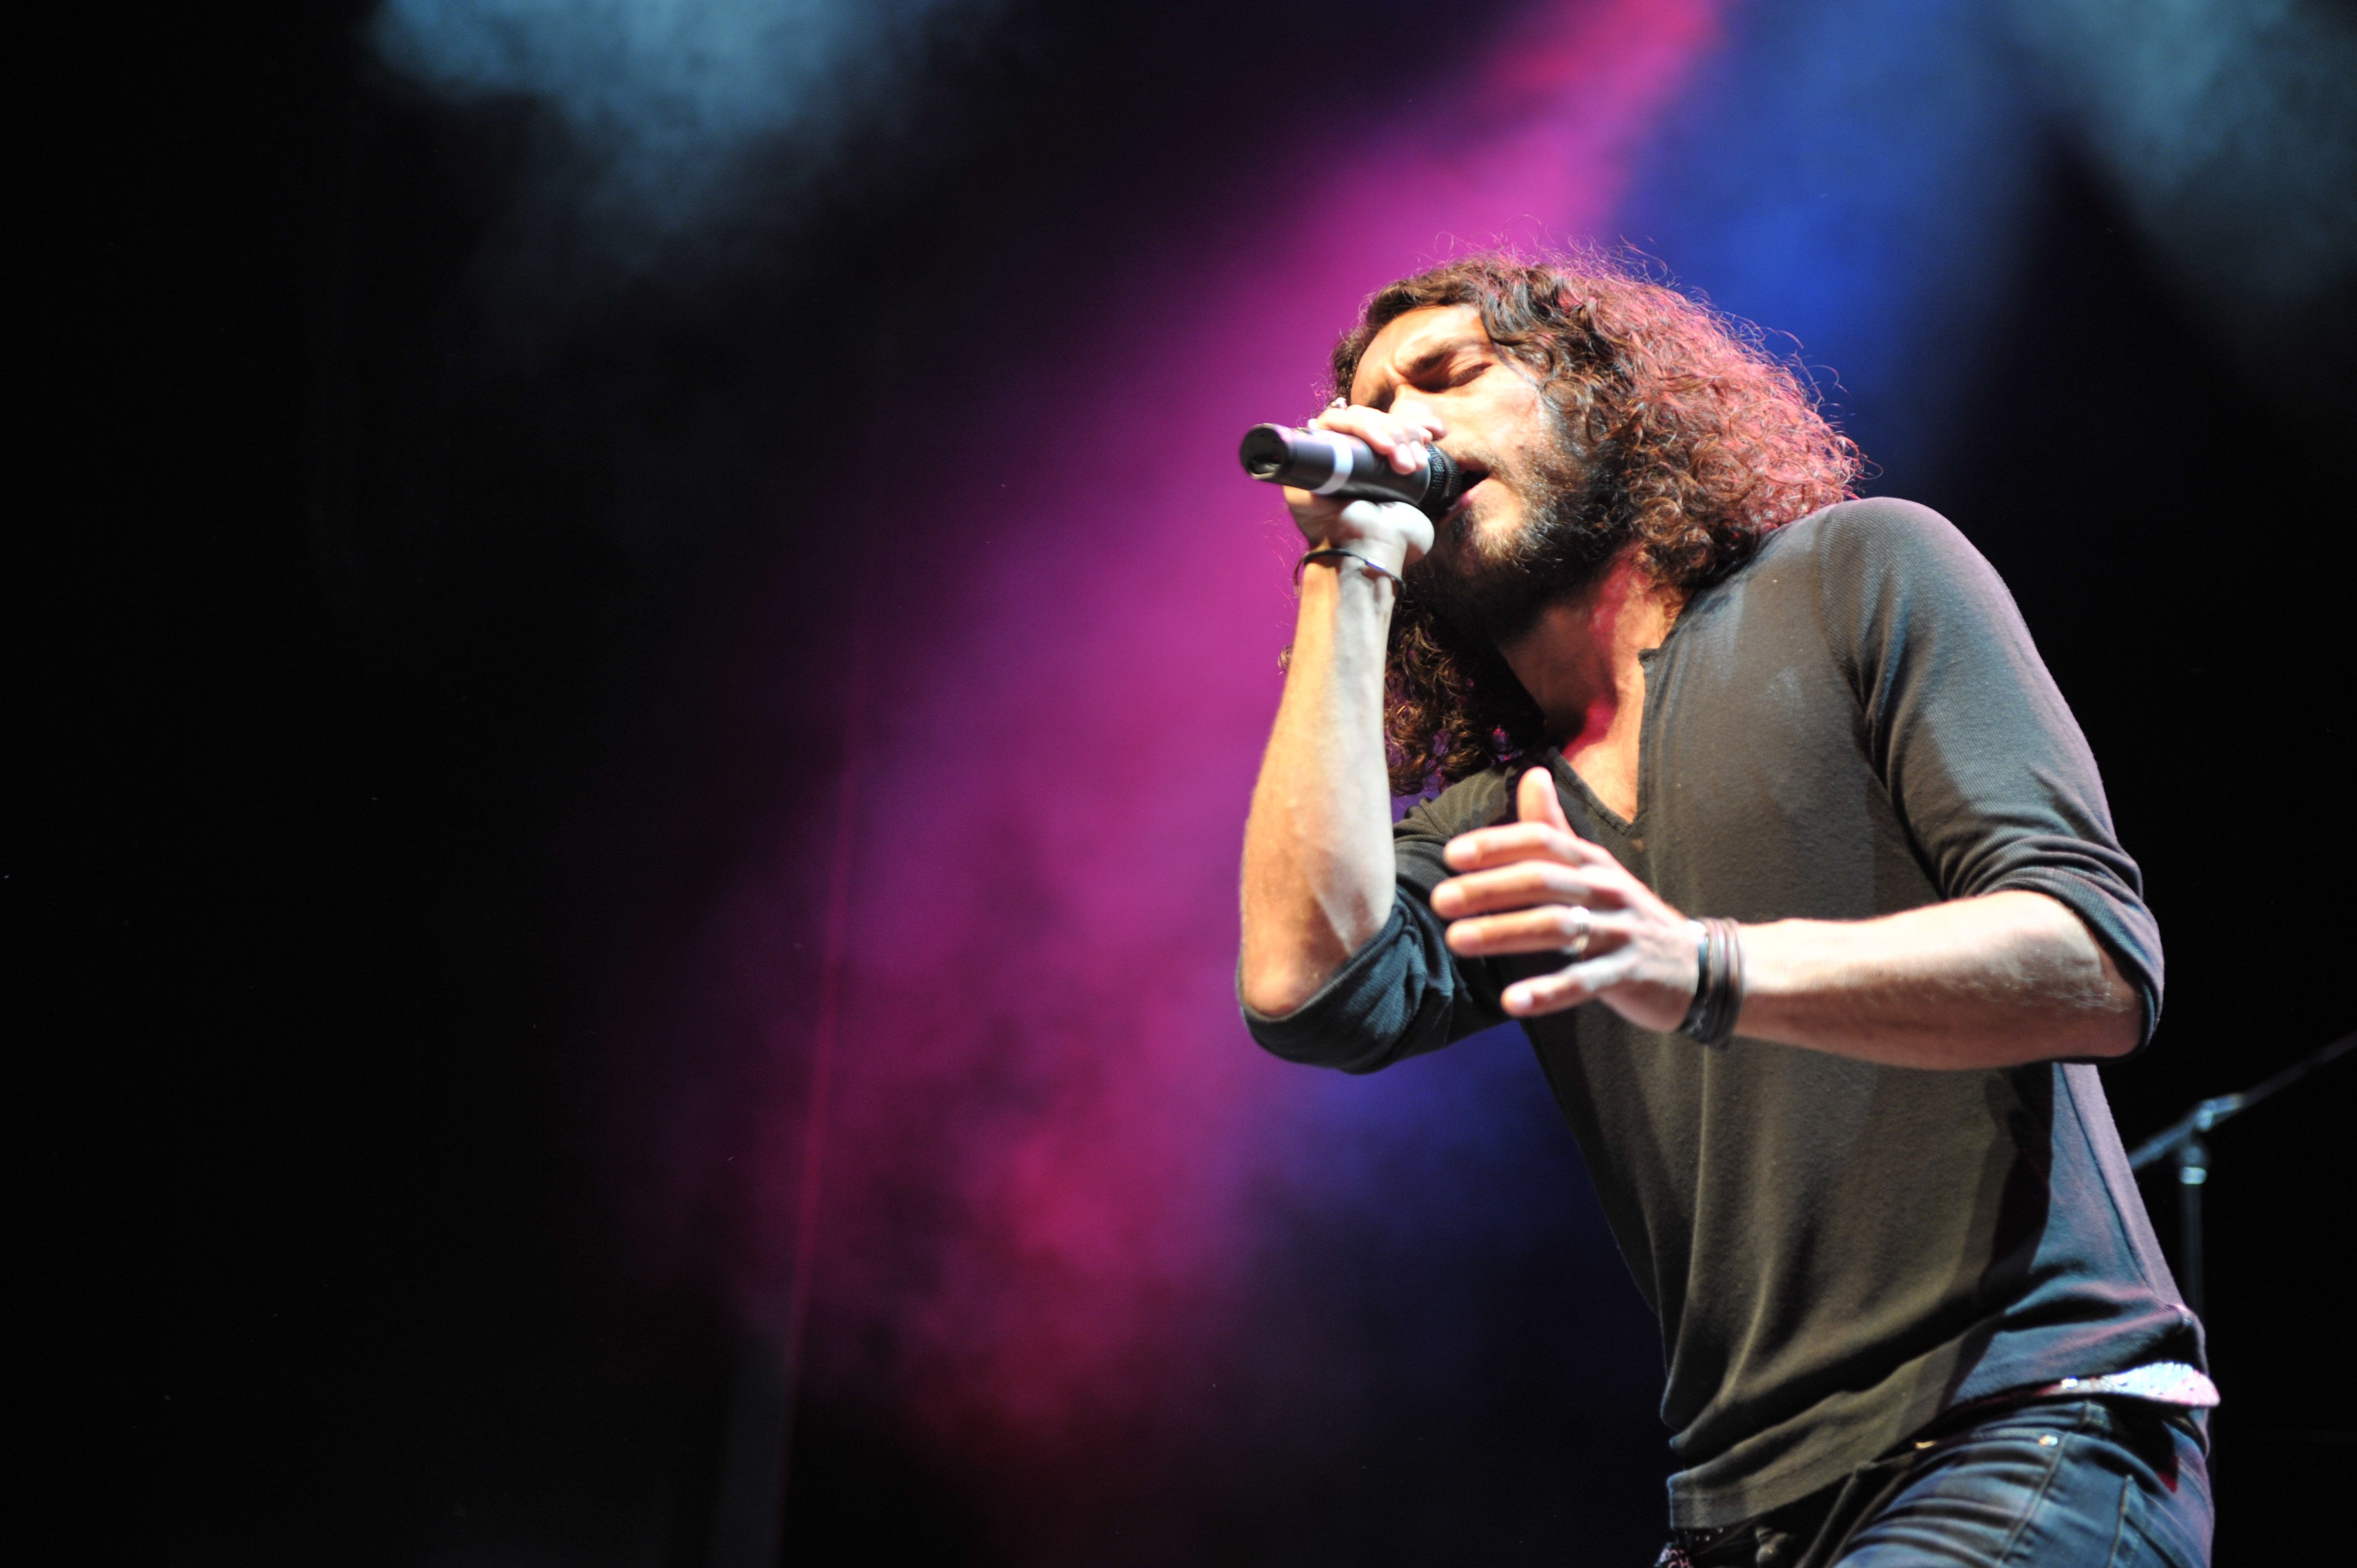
(1052, 1153)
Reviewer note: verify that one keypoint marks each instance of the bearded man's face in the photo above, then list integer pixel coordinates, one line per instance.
(1491, 583)
(1528, 532)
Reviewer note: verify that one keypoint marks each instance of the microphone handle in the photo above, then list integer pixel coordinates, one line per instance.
(1331, 463)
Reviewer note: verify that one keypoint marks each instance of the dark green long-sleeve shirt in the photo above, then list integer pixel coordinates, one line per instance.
(1854, 723)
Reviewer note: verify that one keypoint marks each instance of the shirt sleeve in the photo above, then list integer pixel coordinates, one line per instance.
(1404, 993)
(1985, 765)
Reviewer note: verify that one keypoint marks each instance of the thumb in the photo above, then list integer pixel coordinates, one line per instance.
(1536, 802)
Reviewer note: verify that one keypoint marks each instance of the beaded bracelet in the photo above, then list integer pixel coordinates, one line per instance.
(1327, 551)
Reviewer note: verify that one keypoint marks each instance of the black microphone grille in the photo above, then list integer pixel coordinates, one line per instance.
(1267, 449)
(1444, 484)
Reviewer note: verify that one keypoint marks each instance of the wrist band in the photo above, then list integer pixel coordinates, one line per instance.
(1328, 552)
(1718, 982)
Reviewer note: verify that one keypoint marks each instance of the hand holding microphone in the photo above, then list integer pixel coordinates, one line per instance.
(1359, 479)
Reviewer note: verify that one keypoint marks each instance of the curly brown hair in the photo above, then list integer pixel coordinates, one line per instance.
(1698, 443)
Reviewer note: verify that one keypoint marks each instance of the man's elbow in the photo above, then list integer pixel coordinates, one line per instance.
(2114, 1033)
(2108, 1021)
(1276, 989)
(1281, 969)
(2094, 1012)
(2067, 1028)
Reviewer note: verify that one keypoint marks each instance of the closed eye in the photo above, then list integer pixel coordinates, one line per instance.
(1438, 368)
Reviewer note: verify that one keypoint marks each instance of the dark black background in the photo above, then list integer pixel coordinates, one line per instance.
(347, 623)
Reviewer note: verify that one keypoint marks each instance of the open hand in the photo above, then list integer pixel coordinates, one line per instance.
(1532, 885)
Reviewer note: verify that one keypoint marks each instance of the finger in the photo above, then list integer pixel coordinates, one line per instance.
(1519, 885)
(1410, 422)
(1520, 841)
(1400, 440)
(1403, 448)
(1567, 988)
(1535, 800)
(1553, 928)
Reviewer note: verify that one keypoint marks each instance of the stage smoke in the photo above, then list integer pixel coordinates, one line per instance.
(2229, 128)
(670, 116)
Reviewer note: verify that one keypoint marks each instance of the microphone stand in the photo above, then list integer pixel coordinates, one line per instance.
(2181, 1139)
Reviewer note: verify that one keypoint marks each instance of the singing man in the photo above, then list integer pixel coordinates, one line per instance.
(1763, 818)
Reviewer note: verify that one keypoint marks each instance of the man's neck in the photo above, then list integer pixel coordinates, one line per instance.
(1580, 663)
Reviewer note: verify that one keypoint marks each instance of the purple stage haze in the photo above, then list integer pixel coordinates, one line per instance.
(1056, 1171)
(1069, 1235)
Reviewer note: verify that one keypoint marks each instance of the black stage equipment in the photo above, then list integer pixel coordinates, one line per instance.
(1336, 464)
(2181, 1141)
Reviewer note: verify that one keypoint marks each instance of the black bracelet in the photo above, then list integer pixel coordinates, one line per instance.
(1327, 552)
(1718, 982)
(1733, 934)
(1701, 1005)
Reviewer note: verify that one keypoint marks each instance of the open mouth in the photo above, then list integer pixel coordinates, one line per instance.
(1471, 478)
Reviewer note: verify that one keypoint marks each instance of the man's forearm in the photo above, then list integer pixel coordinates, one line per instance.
(1318, 853)
(1997, 981)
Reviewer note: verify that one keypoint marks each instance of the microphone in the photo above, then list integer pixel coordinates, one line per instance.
(1331, 463)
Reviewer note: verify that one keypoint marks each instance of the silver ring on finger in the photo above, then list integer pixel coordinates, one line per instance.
(1578, 948)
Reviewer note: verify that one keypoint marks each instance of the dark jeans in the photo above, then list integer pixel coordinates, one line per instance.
(2075, 1484)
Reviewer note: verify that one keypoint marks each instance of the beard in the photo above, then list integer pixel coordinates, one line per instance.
(1495, 591)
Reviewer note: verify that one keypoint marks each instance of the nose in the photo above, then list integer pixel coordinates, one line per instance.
(1409, 406)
